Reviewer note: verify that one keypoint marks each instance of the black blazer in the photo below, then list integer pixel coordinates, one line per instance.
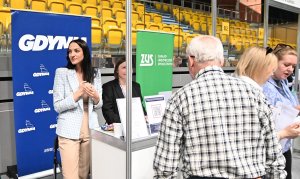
(112, 91)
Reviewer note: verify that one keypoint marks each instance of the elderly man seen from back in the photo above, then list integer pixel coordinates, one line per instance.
(217, 125)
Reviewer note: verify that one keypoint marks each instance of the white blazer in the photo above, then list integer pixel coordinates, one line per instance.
(70, 113)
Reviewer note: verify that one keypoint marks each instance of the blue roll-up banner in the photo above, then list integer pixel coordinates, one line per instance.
(39, 43)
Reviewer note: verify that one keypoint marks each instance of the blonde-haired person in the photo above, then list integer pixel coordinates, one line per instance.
(276, 89)
(256, 66)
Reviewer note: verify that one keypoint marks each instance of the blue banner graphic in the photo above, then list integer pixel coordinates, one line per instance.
(39, 43)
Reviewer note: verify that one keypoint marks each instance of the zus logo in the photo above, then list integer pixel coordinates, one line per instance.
(147, 60)
(29, 42)
(27, 91)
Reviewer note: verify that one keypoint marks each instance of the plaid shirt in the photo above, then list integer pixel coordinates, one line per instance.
(218, 126)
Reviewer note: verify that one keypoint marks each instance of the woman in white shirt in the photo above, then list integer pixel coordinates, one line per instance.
(256, 66)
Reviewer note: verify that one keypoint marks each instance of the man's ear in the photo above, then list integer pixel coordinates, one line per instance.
(191, 62)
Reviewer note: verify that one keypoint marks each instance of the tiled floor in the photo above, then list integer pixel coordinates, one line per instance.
(296, 168)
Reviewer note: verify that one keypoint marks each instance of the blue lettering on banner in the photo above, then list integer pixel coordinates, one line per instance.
(39, 46)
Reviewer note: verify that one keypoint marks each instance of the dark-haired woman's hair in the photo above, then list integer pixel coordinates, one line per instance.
(119, 62)
(87, 70)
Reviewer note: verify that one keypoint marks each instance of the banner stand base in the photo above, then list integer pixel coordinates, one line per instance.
(12, 171)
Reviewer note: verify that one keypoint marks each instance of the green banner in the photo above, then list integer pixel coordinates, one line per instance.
(154, 59)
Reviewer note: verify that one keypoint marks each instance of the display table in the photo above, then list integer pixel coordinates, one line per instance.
(109, 156)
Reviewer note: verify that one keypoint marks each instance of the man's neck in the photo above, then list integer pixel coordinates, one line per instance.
(205, 64)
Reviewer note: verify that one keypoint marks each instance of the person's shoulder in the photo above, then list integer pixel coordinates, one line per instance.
(61, 70)
(134, 83)
(109, 83)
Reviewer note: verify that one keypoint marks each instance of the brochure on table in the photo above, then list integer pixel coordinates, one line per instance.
(284, 116)
(155, 106)
(167, 95)
(139, 126)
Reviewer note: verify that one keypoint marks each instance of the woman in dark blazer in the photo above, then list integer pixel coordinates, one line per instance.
(115, 89)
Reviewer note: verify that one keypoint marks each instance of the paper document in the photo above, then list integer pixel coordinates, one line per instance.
(139, 126)
(284, 115)
(155, 106)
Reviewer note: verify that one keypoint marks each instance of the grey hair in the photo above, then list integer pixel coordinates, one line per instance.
(206, 48)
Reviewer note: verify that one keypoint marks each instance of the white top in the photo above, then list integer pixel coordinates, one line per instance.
(251, 82)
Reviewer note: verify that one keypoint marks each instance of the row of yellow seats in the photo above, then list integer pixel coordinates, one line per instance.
(120, 14)
(112, 35)
(21, 4)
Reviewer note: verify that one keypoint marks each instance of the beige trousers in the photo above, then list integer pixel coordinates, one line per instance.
(75, 154)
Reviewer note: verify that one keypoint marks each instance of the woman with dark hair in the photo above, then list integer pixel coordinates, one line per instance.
(117, 89)
(76, 94)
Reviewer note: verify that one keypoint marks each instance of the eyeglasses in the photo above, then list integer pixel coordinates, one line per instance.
(280, 47)
(268, 50)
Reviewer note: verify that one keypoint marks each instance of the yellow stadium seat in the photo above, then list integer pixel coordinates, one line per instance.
(187, 17)
(224, 38)
(92, 2)
(158, 5)
(203, 18)
(3, 37)
(114, 38)
(166, 28)
(204, 28)
(254, 32)
(117, 5)
(157, 18)
(108, 24)
(237, 30)
(105, 3)
(90, 10)
(178, 41)
(165, 7)
(96, 36)
(146, 17)
(219, 28)
(133, 38)
(74, 8)
(96, 21)
(243, 31)
(153, 26)
(120, 14)
(2, 3)
(17, 4)
(178, 15)
(135, 16)
(139, 7)
(196, 26)
(56, 6)
(76, 1)
(195, 17)
(106, 13)
(140, 26)
(177, 29)
(122, 24)
(37, 5)
(5, 17)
